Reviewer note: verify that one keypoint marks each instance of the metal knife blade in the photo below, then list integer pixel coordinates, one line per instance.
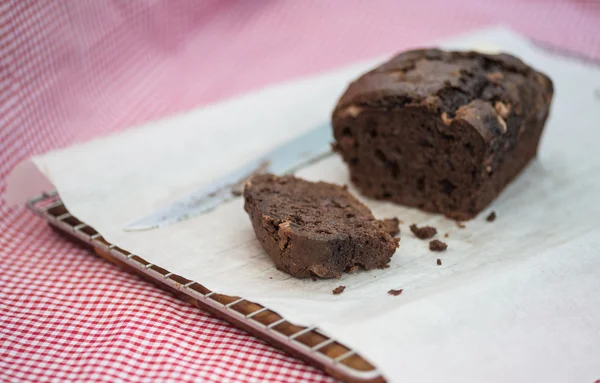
(287, 158)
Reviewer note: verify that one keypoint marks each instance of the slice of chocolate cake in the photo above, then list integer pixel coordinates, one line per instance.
(442, 131)
(316, 228)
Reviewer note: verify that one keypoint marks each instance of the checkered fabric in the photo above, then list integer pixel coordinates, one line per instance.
(72, 70)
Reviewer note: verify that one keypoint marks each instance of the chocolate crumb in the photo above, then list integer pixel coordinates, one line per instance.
(491, 217)
(424, 232)
(446, 235)
(270, 277)
(395, 292)
(391, 226)
(339, 290)
(436, 245)
(460, 224)
(439, 262)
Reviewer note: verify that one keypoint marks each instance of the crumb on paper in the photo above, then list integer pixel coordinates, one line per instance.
(439, 262)
(339, 290)
(313, 278)
(446, 235)
(491, 217)
(270, 277)
(395, 292)
(391, 226)
(436, 245)
(424, 232)
(460, 224)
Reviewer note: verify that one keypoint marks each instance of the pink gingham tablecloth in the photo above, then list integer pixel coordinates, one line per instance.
(73, 70)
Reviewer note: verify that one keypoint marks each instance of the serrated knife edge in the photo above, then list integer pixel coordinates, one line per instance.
(287, 158)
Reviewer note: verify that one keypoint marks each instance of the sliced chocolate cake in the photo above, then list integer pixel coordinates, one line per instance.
(442, 131)
(316, 228)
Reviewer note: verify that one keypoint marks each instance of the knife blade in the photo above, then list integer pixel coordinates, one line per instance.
(285, 159)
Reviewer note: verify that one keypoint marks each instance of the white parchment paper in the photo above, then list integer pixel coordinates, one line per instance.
(517, 300)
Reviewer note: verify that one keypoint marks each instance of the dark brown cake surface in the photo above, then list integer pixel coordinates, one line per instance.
(316, 228)
(442, 131)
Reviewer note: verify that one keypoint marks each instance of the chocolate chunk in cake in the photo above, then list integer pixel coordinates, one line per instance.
(395, 292)
(424, 232)
(442, 131)
(316, 228)
(436, 245)
(339, 290)
(491, 217)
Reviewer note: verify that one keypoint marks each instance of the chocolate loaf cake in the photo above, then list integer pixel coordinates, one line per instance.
(316, 228)
(442, 131)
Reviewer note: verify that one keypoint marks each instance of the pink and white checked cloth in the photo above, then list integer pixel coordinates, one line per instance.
(72, 70)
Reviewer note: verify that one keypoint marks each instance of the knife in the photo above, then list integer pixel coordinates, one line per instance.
(285, 159)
